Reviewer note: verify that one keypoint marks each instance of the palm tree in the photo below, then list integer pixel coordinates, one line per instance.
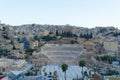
(64, 68)
(82, 63)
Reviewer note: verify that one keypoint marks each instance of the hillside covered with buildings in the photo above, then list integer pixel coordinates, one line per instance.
(34, 51)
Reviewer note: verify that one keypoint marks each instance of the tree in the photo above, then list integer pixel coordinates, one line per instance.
(48, 38)
(14, 48)
(86, 36)
(90, 36)
(28, 74)
(82, 63)
(72, 41)
(18, 39)
(68, 34)
(57, 34)
(12, 42)
(107, 58)
(64, 68)
(26, 56)
(29, 51)
(3, 52)
(36, 38)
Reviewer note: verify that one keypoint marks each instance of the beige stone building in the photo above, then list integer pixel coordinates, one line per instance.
(53, 31)
(111, 45)
(8, 47)
(34, 44)
(17, 53)
(45, 33)
(7, 65)
(19, 46)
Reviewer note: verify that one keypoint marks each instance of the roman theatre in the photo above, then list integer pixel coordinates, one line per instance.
(58, 54)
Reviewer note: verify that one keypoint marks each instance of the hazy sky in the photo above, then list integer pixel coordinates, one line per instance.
(86, 13)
